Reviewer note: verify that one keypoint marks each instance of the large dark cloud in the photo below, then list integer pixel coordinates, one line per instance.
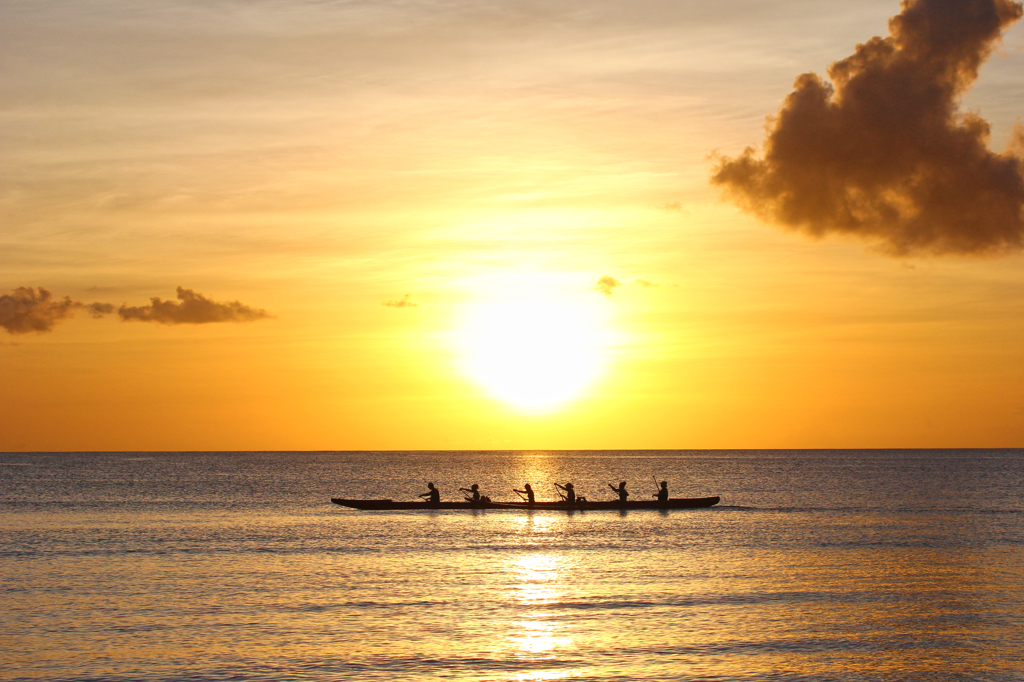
(883, 152)
(27, 310)
(191, 308)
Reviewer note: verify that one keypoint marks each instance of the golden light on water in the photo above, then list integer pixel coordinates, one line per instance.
(539, 675)
(539, 633)
(536, 638)
(534, 352)
(535, 522)
(537, 579)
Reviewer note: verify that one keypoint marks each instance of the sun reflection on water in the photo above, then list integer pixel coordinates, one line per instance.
(536, 579)
(536, 638)
(534, 522)
(539, 633)
(540, 675)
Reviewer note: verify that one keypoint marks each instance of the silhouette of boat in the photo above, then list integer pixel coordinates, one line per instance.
(673, 503)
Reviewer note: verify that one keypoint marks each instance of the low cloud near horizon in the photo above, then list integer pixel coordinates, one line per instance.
(883, 152)
(28, 309)
(191, 308)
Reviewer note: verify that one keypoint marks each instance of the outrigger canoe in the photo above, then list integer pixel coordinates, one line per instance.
(673, 503)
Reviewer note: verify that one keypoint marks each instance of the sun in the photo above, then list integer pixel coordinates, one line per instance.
(534, 353)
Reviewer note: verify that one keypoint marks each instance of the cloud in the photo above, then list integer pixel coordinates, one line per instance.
(883, 152)
(98, 310)
(191, 308)
(404, 302)
(27, 310)
(607, 285)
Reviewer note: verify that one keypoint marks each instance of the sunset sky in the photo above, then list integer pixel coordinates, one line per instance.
(434, 224)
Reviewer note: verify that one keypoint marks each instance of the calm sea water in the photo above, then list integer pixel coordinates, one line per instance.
(818, 565)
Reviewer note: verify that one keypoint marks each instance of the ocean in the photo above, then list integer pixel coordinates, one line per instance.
(816, 565)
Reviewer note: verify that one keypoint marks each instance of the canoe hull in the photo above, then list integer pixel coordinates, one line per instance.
(390, 505)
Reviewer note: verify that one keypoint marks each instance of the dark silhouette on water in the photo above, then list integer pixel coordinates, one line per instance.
(432, 496)
(477, 498)
(581, 504)
(621, 490)
(528, 491)
(662, 493)
(570, 492)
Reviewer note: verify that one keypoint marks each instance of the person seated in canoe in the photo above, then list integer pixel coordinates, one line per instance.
(528, 491)
(662, 493)
(570, 493)
(476, 498)
(432, 496)
(621, 490)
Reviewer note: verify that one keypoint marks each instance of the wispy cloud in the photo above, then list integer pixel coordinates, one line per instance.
(191, 308)
(98, 310)
(883, 152)
(404, 302)
(28, 309)
(607, 285)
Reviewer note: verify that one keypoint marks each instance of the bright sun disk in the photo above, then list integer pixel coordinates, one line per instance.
(534, 354)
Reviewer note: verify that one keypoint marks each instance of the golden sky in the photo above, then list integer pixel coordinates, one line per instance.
(270, 225)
